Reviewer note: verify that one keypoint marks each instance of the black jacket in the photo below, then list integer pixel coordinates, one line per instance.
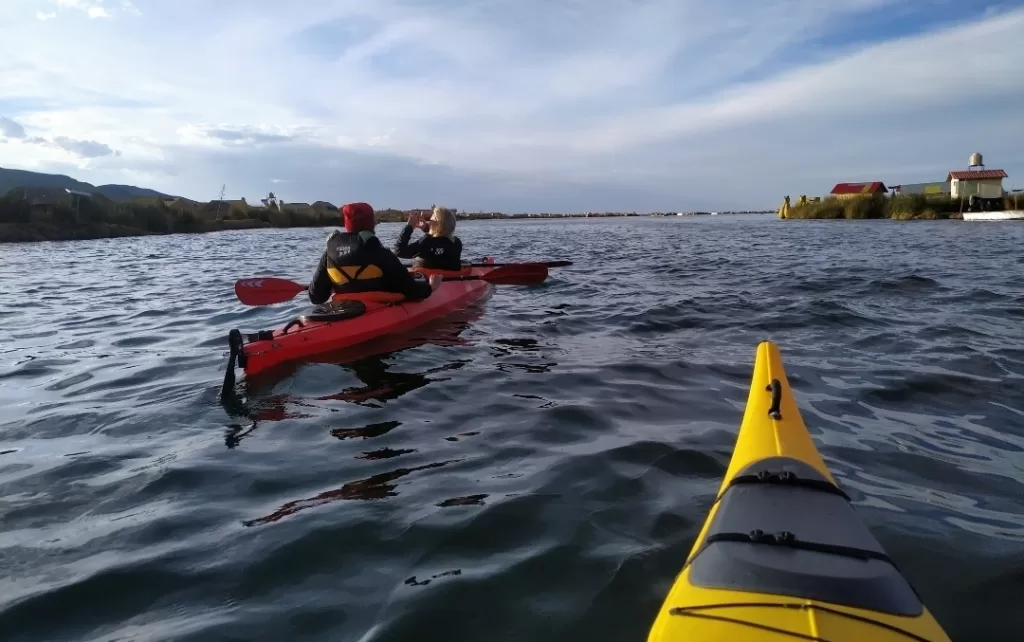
(355, 263)
(433, 252)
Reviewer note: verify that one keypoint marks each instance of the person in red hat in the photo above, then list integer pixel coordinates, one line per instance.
(355, 261)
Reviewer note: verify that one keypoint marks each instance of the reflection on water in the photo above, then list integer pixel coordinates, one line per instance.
(366, 432)
(412, 581)
(544, 403)
(385, 453)
(471, 433)
(468, 500)
(374, 487)
(508, 349)
(382, 385)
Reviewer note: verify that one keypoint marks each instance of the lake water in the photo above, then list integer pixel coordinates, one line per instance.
(533, 469)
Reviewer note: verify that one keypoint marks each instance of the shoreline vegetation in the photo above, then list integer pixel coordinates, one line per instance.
(899, 207)
(69, 216)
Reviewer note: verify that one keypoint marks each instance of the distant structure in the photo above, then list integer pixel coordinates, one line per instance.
(784, 210)
(295, 207)
(271, 202)
(850, 190)
(981, 183)
(936, 188)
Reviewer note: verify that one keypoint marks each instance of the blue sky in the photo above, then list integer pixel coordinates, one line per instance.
(512, 105)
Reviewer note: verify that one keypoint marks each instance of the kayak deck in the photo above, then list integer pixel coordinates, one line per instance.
(356, 319)
(782, 528)
(783, 554)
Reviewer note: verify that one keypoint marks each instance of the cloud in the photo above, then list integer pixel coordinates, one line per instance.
(92, 8)
(505, 104)
(83, 148)
(11, 129)
(242, 135)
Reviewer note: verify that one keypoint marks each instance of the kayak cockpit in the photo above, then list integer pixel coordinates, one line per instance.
(783, 528)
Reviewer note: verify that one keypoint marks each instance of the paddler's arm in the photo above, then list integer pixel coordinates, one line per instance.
(403, 249)
(416, 289)
(401, 279)
(423, 287)
(320, 288)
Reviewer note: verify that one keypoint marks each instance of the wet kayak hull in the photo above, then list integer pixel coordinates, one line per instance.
(782, 554)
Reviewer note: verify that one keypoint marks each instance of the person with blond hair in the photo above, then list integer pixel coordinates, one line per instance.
(439, 248)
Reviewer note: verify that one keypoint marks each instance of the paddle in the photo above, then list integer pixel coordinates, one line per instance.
(266, 291)
(511, 274)
(547, 264)
(271, 290)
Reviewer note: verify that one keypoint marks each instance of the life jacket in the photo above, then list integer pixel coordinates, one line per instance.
(348, 273)
(428, 255)
(342, 275)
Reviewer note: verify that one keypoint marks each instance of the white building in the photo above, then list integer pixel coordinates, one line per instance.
(983, 183)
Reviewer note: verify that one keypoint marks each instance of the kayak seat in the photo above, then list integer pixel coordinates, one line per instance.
(336, 311)
(332, 311)
(781, 527)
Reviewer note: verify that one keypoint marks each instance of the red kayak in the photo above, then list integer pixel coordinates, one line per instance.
(352, 319)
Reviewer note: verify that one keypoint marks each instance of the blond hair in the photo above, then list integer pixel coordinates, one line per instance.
(445, 221)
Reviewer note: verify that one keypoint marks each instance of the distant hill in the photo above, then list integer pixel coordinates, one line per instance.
(11, 178)
(128, 192)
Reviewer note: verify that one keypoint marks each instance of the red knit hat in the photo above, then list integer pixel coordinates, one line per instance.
(358, 217)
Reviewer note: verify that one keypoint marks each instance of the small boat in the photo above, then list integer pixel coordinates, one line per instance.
(1006, 215)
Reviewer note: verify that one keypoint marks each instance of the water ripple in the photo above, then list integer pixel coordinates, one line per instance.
(534, 468)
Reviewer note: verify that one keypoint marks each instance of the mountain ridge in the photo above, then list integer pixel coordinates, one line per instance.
(14, 178)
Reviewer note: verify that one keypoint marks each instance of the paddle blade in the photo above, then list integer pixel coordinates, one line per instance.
(266, 291)
(521, 274)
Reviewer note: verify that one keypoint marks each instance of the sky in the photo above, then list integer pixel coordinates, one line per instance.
(511, 105)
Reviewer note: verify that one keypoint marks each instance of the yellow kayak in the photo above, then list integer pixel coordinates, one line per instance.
(783, 555)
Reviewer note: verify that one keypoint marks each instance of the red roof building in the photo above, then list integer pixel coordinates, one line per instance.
(847, 190)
